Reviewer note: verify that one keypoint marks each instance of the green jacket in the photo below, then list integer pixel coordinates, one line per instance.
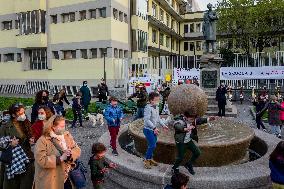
(96, 166)
(9, 129)
(180, 125)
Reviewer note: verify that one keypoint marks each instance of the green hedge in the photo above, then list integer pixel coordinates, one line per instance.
(6, 102)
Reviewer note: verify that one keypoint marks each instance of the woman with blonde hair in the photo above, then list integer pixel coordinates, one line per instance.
(55, 155)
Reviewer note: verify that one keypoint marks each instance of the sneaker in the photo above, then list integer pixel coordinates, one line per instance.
(175, 171)
(147, 164)
(114, 152)
(190, 168)
(264, 130)
(153, 162)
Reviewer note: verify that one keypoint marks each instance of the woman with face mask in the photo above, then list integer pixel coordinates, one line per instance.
(19, 132)
(41, 99)
(55, 154)
(44, 113)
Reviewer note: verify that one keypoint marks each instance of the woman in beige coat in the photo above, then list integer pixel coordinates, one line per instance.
(55, 154)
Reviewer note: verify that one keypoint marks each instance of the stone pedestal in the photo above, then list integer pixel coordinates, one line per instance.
(210, 71)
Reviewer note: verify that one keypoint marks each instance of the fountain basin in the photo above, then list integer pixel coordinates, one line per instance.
(224, 142)
(131, 173)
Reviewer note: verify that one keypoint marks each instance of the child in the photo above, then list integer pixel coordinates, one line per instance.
(113, 115)
(58, 108)
(98, 165)
(276, 165)
(259, 105)
(179, 181)
(77, 109)
(185, 133)
(151, 121)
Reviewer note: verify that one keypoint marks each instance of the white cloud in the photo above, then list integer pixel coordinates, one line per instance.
(203, 3)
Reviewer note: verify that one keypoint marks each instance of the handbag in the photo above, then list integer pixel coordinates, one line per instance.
(7, 156)
(77, 175)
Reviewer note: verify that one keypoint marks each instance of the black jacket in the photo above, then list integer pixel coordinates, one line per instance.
(142, 98)
(103, 89)
(221, 94)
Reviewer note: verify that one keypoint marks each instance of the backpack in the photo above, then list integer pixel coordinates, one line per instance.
(77, 175)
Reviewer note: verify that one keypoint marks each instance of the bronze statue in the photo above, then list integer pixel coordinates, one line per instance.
(209, 28)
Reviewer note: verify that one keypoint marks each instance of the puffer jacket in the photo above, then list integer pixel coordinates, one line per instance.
(113, 113)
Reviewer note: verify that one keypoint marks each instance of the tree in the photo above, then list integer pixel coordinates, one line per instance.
(251, 22)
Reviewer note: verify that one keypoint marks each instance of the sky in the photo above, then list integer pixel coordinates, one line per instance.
(203, 3)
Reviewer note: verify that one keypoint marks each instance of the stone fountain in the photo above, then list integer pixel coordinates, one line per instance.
(216, 138)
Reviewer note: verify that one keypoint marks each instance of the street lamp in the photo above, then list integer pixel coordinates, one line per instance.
(105, 54)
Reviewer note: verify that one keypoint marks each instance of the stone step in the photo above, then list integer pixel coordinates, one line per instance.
(214, 107)
(215, 113)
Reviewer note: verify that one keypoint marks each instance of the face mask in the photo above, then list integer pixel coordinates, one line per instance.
(41, 117)
(85, 84)
(22, 118)
(60, 131)
(45, 98)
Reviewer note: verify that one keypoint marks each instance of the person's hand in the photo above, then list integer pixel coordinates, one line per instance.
(191, 127)
(14, 142)
(166, 128)
(32, 141)
(104, 170)
(113, 120)
(156, 131)
(113, 165)
(65, 155)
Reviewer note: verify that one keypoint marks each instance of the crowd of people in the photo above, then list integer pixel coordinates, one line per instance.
(41, 153)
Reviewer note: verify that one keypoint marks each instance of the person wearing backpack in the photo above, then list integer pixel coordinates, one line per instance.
(185, 133)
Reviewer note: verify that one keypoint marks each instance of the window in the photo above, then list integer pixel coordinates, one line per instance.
(72, 16)
(198, 27)
(94, 53)
(7, 25)
(92, 13)
(115, 14)
(168, 20)
(38, 60)
(185, 46)
(162, 15)
(55, 55)
(8, 57)
(142, 40)
(103, 52)
(69, 17)
(177, 46)
(154, 36)
(32, 22)
(185, 28)
(120, 16)
(19, 57)
(71, 54)
(191, 28)
(102, 12)
(161, 39)
(173, 24)
(191, 46)
(154, 10)
(126, 54)
(198, 45)
(83, 15)
(17, 24)
(53, 19)
(125, 18)
(84, 53)
(167, 42)
(120, 53)
(115, 53)
(173, 44)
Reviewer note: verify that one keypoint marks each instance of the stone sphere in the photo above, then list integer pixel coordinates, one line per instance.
(188, 97)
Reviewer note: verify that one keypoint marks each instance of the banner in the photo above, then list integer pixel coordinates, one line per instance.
(183, 74)
(243, 73)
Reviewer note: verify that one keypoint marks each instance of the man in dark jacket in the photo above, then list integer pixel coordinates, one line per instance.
(86, 96)
(259, 105)
(185, 133)
(142, 96)
(165, 94)
(103, 91)
(221, 98)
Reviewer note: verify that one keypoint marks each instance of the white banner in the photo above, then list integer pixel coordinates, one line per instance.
(183, 74)
(243, 73)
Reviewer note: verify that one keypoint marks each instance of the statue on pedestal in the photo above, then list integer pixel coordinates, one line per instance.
(209, 28)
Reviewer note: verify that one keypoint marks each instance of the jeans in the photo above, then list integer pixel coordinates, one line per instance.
(77, 114)
(152, 142)
(222, 109)
(259, 122)
(181, 149)
(139, 114)
(275, 129)
(113, 131)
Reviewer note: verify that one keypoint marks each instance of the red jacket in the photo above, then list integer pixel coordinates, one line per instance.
(37, 129)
